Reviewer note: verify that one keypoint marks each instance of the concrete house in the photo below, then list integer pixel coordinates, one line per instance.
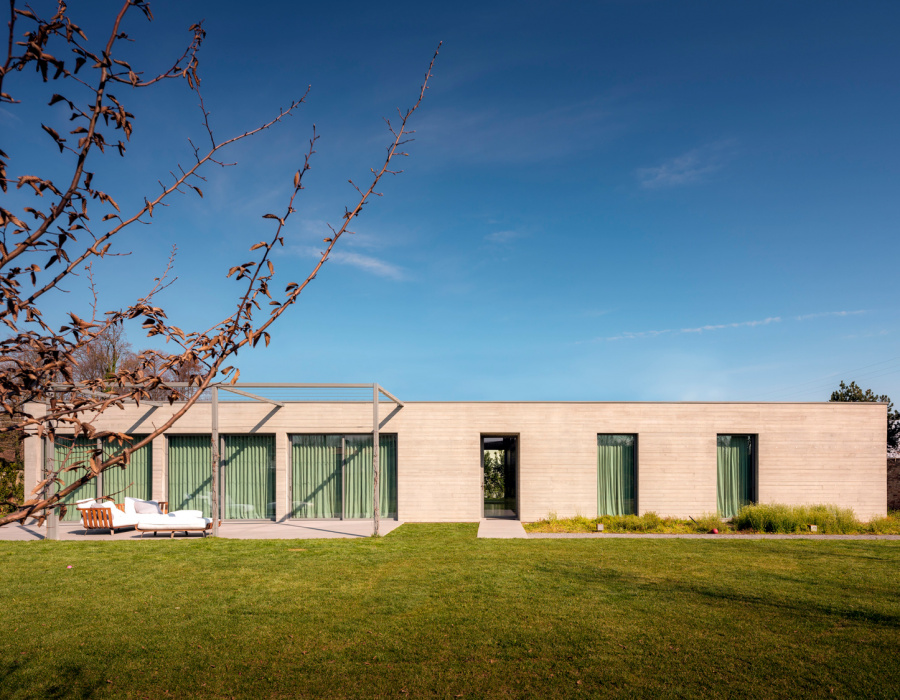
(283, 458)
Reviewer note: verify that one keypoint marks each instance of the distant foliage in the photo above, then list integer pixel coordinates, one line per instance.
(12, 482)
(494, 479)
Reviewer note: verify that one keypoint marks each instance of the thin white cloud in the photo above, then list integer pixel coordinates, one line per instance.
(823, 314)
(517, 136)
(699, 329)
(630, 335)
(502, 236)
(740, 324)
(344, 253)
(593, 313)
(368, 263)
(9, 116)
(687, 168)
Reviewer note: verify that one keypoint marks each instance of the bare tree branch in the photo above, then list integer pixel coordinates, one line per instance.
(90, 358)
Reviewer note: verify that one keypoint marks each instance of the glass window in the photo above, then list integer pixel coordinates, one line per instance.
(616, 475)
(736, 473)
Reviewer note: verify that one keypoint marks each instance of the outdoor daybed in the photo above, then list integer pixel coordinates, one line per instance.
(145, 516)
(180, 521)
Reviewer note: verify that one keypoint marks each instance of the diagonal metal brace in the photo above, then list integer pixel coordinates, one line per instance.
(250, 396)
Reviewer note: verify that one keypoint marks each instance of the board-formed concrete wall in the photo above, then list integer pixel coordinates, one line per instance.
(807, 453)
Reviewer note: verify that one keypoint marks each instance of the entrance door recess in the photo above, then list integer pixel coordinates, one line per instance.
(499, 458)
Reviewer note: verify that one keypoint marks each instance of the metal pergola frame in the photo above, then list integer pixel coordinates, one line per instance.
(240, 389)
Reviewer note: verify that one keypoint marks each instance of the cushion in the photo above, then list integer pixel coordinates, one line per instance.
(146, 507)
(85, 503)
(121, 520)
(187, 513)
(168, 522)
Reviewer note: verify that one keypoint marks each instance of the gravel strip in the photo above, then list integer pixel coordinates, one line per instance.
(610, 535)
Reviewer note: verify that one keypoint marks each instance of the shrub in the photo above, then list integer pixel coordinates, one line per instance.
(706, 523)
(648, 522)
(785, 519)
(651, 517)
(889, 525)
(12, 483)
(763, 517)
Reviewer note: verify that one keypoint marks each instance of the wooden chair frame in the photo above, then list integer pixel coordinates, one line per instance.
(101, 518)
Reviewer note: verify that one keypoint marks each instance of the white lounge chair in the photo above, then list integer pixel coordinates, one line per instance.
(104, 515)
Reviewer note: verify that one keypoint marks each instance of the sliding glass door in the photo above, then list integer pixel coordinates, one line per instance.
(359, 491)
(190, 473)
(136, 480)
(69, 452)
(332, 476)
(248, 477)
(316, 476)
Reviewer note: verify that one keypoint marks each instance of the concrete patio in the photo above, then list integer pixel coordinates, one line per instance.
(501, 529)
(288, 530)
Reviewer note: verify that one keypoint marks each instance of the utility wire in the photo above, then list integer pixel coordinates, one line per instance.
(822, 383)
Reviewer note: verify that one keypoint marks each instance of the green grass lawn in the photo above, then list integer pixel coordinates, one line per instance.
(430, 611)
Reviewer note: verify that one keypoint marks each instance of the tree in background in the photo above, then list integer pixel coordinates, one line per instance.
(853, 393)
(104, 356)
(494, 474)
(52, 227)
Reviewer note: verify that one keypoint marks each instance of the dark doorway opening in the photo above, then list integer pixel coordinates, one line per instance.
(499, 459)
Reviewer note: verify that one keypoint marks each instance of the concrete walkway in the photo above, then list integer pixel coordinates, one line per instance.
(724, 538)
(290, 530)
(501, 529)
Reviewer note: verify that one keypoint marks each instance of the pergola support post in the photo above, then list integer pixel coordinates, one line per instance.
(375, 460)
(214, 463)
(51, 488)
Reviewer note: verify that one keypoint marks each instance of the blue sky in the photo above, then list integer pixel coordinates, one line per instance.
(632, 200)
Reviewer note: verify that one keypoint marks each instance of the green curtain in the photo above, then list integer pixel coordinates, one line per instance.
(616, 487)
(249, 476)
(360, 475)
(136, 480)
(68, 452)
(735, 479)
(316, 476)
(190, 473)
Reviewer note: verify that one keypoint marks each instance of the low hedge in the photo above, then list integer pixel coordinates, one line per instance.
(775, 518)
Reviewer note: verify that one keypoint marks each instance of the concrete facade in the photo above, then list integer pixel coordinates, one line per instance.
(807, 453)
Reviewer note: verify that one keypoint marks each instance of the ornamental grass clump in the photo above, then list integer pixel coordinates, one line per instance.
(706, 523)
(784, 519)
(889, 525)
(648, 522)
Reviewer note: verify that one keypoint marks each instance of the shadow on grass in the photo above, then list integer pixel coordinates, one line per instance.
(68, 681)
(801, 608)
